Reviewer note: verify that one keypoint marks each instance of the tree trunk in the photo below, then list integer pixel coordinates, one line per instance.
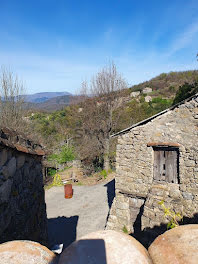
(106, 154)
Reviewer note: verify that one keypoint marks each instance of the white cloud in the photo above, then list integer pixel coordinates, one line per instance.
(185, 38)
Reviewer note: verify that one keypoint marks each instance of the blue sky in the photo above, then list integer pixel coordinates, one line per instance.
(53, 45)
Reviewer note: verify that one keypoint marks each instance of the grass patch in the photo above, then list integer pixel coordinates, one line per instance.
(104, 174)
(125, 230)
(64, 169)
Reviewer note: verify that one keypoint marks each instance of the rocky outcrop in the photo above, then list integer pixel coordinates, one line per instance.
(105, 247)
(178, 245)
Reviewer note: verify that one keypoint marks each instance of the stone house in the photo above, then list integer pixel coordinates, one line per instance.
(157, 159)
(22, 202)
(147, 90)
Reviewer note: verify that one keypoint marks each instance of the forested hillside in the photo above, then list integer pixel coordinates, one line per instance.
(83, 125)
(166, 84)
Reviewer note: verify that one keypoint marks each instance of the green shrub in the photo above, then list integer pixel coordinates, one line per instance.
(185, 91)
(53, 158)
(66, 154)
(162, 76)
(159, 104)
(125, 230)
(142, 98)
(51, 172)
(104, 174)
(172, 216)
(172, 88)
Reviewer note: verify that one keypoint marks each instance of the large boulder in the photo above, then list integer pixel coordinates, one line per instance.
(104, 247)
(23, 252)
(176, 246)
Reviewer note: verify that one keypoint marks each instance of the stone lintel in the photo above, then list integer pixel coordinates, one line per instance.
(163, 144)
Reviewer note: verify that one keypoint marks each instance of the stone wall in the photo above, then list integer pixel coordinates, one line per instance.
(135, 186)
(22, 204)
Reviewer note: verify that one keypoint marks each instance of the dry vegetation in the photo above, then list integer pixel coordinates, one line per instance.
(82, 130)
(166, 84)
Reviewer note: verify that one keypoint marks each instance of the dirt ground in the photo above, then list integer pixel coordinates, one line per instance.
(82, 179)
(85, 212)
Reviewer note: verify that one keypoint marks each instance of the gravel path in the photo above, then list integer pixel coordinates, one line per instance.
(85, 212)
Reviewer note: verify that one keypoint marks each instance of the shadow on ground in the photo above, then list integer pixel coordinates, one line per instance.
(62, 230)
(110, 192)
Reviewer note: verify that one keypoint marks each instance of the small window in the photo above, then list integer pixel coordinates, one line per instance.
(166, 164)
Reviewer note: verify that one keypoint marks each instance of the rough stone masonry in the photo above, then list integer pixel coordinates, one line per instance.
(138, 191)
(22, 203)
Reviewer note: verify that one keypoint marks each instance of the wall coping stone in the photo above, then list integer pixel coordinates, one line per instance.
(20, 142)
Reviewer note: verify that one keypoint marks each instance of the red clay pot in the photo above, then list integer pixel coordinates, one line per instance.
(68, 191)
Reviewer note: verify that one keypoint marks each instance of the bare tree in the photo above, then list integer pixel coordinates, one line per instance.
(98, 110)
(11, 99)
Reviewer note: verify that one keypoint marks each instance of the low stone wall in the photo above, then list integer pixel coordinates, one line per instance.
(22, 203)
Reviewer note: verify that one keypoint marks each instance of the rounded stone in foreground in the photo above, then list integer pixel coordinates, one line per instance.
(176, 246)
(104, 247)
(24, 251)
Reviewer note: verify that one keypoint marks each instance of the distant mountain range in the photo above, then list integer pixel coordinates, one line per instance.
(43, 97)
(164, 85)
(47, 101)
(51, 101)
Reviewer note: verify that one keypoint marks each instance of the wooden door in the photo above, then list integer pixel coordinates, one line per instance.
(171, 166)
(165, 165)
(159, 165)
